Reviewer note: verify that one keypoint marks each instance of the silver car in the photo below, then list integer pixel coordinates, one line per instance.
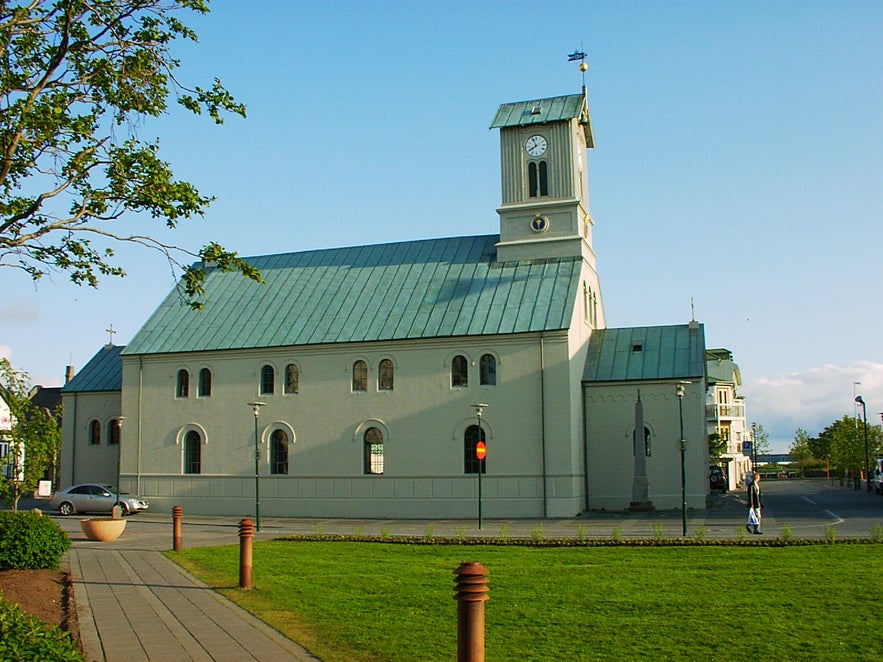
(95, 498)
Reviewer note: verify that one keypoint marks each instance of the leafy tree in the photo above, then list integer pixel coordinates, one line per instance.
(34, 440)
(800, 450)
(716, 447)
(846, 440)
(761, 440)
(76, 78)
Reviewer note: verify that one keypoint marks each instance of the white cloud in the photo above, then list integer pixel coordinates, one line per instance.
(6, 352)
(813, 399)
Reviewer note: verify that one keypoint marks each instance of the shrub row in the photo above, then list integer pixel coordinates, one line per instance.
(577, 542)
(25, 638)
(30, 541)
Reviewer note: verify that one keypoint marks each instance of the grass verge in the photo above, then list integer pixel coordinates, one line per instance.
(375, 601)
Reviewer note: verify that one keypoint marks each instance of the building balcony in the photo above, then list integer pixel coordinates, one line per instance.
(717, 412)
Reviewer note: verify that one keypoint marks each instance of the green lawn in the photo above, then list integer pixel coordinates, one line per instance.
(375, 601)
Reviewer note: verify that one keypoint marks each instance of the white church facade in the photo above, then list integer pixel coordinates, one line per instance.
(366, 376)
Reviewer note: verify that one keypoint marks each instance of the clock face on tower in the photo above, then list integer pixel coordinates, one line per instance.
(535, 146)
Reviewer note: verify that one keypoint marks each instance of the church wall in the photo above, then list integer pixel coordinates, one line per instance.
(610, 423)
(82, 461)
(423, 421)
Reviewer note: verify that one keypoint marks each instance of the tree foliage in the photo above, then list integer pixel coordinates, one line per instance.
(34, 439)
(717, 446)
(76, 78)
(761, 440)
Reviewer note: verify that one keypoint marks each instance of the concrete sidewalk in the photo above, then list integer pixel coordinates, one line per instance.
(134, 604)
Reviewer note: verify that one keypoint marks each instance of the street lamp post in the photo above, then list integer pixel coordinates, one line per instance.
(861, 401)
(256, 410)
(119, 459)
(683, 445)
(480, 451)
(754, 447)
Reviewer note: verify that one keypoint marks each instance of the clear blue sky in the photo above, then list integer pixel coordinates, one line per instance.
(739, 162)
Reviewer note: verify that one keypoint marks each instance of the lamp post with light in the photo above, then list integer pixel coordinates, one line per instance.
(256, 410)
(861, 401)
(683, 445)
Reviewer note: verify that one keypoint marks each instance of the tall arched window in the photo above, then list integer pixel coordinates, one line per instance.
(113, 433)
(205, 383)
(360, 376)
(459, 371)
(487, 370)
(279, 452)
(471, 464)
(292, 378)
(646, 442)
(268, 378)
(385, 375)
(95, 432)
(192, 453)
(183, 389)
(373, 451)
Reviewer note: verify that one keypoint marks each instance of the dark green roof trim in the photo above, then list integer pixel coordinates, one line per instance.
(103, 372)
(543, 111)
(420, 289)
(646, 353)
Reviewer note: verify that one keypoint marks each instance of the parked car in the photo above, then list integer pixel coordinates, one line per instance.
(717, 481)
(95, 498)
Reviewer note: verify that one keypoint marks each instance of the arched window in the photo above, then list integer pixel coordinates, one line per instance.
(544, 178)
(373, 451)
(183, 389)
(471, 464)
(292, 378)
(646, 442)
(192, 453)
(113, 432)
(385, 375)
(95, 432)
(360, 376)
(279, 452)
(487, 370)
(459, 371)
(205, 383)
(268, 377)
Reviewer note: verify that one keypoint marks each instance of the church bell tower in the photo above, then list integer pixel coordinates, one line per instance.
(545, 207)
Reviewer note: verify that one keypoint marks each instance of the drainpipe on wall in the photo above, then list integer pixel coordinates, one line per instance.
(74, 442)
(138, 434)
(543, 420)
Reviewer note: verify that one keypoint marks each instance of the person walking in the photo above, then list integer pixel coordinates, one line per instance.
(755, 504)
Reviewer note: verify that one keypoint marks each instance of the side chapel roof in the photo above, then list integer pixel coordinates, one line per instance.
(418, 289)
(103, 372)
(646, 353)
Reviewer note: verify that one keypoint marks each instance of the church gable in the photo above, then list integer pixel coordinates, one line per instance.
(421, 289)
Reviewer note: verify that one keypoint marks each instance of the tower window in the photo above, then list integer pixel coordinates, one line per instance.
(537, 178)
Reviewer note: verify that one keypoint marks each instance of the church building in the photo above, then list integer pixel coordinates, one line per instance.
(361, 381)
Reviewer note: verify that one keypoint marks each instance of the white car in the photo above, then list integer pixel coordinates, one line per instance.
(95, 498)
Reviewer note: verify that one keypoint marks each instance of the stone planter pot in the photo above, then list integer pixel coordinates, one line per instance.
(104, 529)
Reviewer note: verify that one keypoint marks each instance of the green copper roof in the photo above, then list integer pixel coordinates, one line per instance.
(543, 111)
(419, 289)
(104, 372)
(646, 352)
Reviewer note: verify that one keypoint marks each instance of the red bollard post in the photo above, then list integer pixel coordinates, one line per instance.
(177, 513)
(471, 592)
(246, 536)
